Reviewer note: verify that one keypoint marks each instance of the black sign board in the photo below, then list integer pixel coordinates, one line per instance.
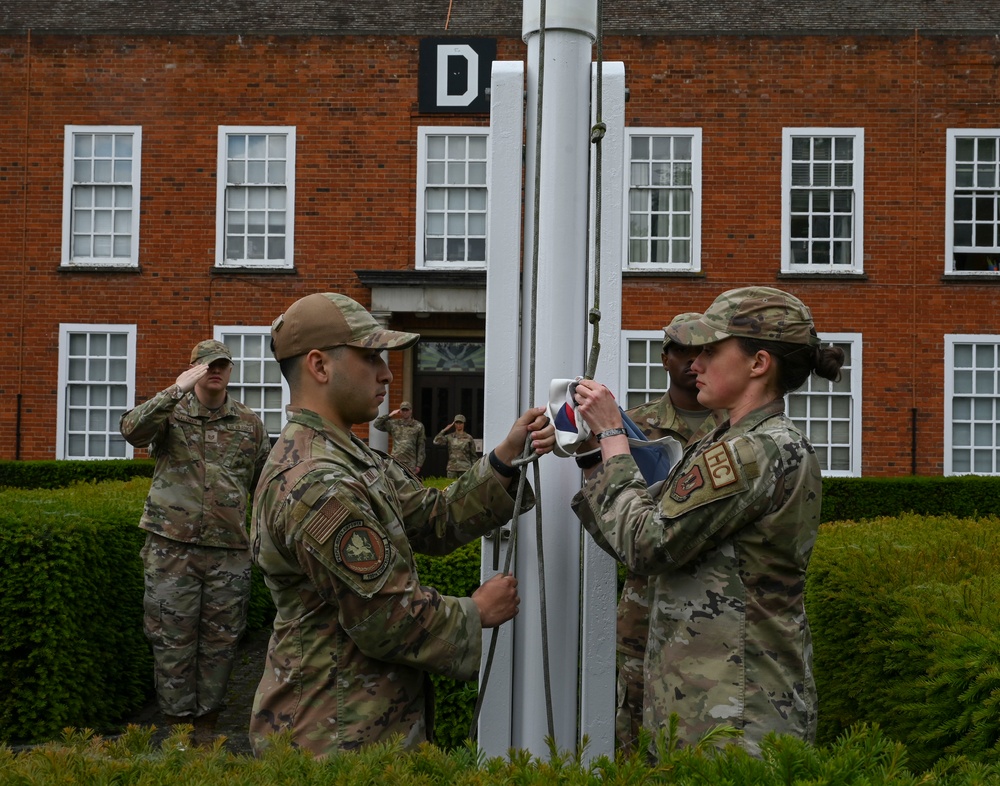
(455, 74)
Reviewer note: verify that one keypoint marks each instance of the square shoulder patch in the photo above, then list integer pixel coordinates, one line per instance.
(713, 475)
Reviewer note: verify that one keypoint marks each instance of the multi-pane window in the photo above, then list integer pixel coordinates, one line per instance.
(451, 198)
(256, 379)
(973, 202)
(96, 387)
(664, 199)
(642, 367)
(101, 196)
(822, 200)
(972, 405)
(256, 197)
(829, 413)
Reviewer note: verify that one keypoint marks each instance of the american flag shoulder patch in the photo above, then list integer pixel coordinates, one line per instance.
(326, 520)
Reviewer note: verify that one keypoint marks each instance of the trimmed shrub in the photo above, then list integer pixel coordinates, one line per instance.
(72, 650)
(905, 615)
(964, 496)
(58, 474)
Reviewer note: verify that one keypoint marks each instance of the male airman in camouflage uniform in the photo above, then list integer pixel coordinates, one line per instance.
(335, 526)
(725, 541)
(676, 414)
(209, 451)
(461, 447)
(409, 440)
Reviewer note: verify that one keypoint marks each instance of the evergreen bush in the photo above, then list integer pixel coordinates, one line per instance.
(863, 756)
(57, 474)
(905, 613)
(72, 650)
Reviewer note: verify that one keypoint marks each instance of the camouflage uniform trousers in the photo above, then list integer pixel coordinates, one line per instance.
(628, 692)
(196, 601)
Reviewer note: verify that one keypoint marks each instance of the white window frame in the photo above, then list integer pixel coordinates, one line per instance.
(654, 366)
(70, 189)
(694, 263)
(222, 189)
(990, 402)
(816, 388)
(232, 336)
(63, 427)
(856, 265)
(991, 253)
(424, 133)
(654, 370)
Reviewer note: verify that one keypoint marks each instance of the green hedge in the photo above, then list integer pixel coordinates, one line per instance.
(57, 474)
(965, 496)
(72, 651)
(862, 757)
(905, 614)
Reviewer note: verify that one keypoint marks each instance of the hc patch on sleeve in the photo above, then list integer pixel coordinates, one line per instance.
(721, 471)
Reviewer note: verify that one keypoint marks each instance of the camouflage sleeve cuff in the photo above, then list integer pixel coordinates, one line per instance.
(141, 423)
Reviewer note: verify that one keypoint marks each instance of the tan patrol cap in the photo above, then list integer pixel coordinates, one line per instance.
(207, 352)
(687, 316)
(458, 419)
(325, 320)
(763, 313)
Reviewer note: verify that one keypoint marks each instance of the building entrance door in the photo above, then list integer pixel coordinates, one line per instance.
(448, 380)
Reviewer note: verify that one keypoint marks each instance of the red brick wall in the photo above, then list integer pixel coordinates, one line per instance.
(353, 102)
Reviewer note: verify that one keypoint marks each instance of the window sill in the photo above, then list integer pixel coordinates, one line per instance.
(242, 270)
(797, 275)
(637, 273)
(131, 269)
(987, 277)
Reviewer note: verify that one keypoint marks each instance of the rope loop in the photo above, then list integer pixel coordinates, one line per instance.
(597, 132)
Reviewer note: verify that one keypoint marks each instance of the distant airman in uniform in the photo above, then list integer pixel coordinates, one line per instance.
(461, 447)
(209, 451)
(409, 440)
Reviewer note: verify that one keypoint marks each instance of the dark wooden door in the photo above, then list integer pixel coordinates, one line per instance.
(448, 380)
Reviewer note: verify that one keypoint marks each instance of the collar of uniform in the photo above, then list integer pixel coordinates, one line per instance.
(197, 409)
(755, 417)
(345, 440)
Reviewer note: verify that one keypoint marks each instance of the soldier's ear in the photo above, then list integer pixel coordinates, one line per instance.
(316, 365)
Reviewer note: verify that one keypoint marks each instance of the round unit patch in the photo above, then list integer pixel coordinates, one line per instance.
(361, 549)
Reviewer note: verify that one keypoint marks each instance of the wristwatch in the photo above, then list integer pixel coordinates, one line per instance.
(611, 432)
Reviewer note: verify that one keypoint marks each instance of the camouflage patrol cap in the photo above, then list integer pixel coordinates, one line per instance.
(687, 316)
(405, 405)
(325, 320)
(764, 313)
(458, 419)
(207, 352)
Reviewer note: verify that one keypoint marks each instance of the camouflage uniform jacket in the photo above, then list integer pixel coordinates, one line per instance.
(408, 439)
(207, 464)
(461, 450)
(335, 527)
(726, 542)
(655, 419)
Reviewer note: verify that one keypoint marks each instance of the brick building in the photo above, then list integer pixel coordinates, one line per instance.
(187, 170)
